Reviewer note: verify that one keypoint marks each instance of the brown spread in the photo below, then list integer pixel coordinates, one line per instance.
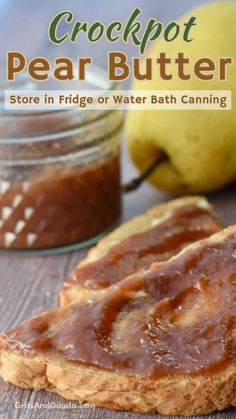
(178, 317)
(185, 225)
(62, 207)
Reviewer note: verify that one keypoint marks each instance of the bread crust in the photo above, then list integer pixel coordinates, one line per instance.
(175, 395)
(139, 224)
(71, 293)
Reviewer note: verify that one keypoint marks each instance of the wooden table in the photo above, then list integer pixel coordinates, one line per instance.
(30, 285)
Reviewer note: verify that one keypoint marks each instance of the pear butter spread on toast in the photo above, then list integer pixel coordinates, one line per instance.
(160, 340)
(155, 236)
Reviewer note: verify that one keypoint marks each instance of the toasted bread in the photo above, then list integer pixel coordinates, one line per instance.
(155, 236)
(160, 341)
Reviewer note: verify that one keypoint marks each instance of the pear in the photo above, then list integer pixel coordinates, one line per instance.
(199, 145)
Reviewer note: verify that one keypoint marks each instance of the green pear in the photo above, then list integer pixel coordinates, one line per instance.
(199, 145)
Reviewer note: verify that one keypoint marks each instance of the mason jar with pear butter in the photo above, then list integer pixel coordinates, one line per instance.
(59, 175)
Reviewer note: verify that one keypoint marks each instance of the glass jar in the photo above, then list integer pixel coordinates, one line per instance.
(59, 175)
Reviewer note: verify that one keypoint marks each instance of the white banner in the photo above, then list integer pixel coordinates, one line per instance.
(39, 100)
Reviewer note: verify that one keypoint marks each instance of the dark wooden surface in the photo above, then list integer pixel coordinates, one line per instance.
(29, 285)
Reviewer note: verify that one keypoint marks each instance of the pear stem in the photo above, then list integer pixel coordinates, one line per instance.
(135, 183)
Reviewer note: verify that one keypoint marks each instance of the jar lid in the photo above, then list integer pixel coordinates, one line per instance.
(30, 123)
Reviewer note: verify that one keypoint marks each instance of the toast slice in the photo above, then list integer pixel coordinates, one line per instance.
(159, 341)
(155, 236)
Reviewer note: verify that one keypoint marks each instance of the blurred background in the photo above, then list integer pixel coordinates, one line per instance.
(24, 24)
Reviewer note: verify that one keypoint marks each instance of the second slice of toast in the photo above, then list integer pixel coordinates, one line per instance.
(160, 233)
